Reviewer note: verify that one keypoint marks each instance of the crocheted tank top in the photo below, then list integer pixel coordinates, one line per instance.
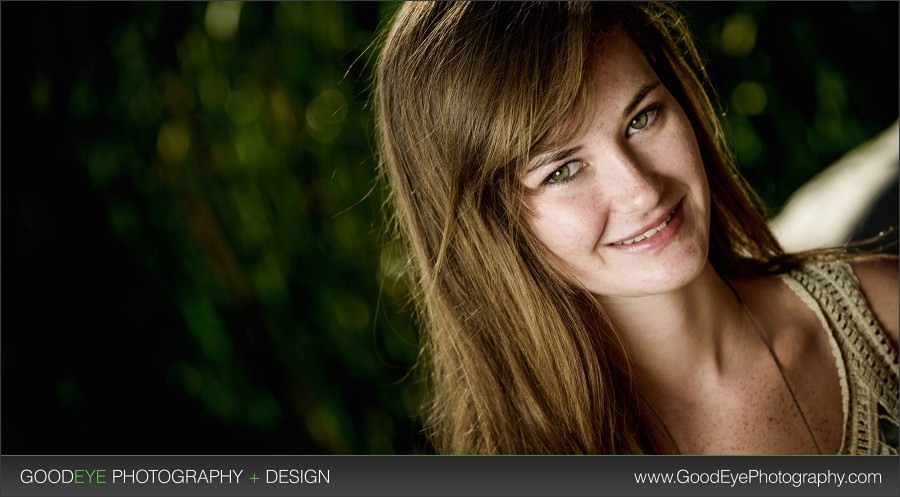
(866, 362)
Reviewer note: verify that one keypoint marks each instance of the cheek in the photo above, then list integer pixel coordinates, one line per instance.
(569, 227)
(689, 152)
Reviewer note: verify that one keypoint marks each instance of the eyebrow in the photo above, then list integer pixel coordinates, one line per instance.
(558, 156)
(637, 98)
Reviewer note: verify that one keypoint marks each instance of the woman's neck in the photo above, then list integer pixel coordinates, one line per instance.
(683, 339)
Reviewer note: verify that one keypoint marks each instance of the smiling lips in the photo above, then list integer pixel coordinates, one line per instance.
(648, 233)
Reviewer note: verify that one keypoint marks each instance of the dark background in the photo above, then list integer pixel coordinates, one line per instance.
(193, 248)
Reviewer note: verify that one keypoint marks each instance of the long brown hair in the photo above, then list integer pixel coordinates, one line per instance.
(519, 358)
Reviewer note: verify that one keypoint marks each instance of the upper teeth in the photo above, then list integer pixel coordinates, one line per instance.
(648, 233)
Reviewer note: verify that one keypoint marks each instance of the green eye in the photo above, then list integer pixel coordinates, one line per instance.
(560, 174)
(640, 121)
(645, 120)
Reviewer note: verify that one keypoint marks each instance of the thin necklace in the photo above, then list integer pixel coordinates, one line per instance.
(777, 363)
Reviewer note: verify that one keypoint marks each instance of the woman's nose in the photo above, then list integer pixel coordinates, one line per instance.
(635, 186)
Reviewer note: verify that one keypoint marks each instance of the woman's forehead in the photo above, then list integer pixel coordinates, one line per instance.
(616, 67)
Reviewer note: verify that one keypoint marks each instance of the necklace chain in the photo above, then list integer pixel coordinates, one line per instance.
(777, 363)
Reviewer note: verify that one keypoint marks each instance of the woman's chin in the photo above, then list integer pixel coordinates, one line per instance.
(659, 277)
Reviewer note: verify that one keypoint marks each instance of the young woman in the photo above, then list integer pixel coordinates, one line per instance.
(592, 275)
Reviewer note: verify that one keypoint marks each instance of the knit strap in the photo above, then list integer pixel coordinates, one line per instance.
(866, 357)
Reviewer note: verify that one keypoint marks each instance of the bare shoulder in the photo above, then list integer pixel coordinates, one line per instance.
(879, 278)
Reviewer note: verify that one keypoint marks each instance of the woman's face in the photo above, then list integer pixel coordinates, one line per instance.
(625, 206)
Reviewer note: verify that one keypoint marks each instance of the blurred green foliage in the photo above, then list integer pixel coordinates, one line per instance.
(230, 148)
(234, 155)
(802, 83)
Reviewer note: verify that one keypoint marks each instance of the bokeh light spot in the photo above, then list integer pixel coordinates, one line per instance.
(739, 35)
(222, 20)
(325, 114)
(352, 312)
(749, 98)
(173, 143)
